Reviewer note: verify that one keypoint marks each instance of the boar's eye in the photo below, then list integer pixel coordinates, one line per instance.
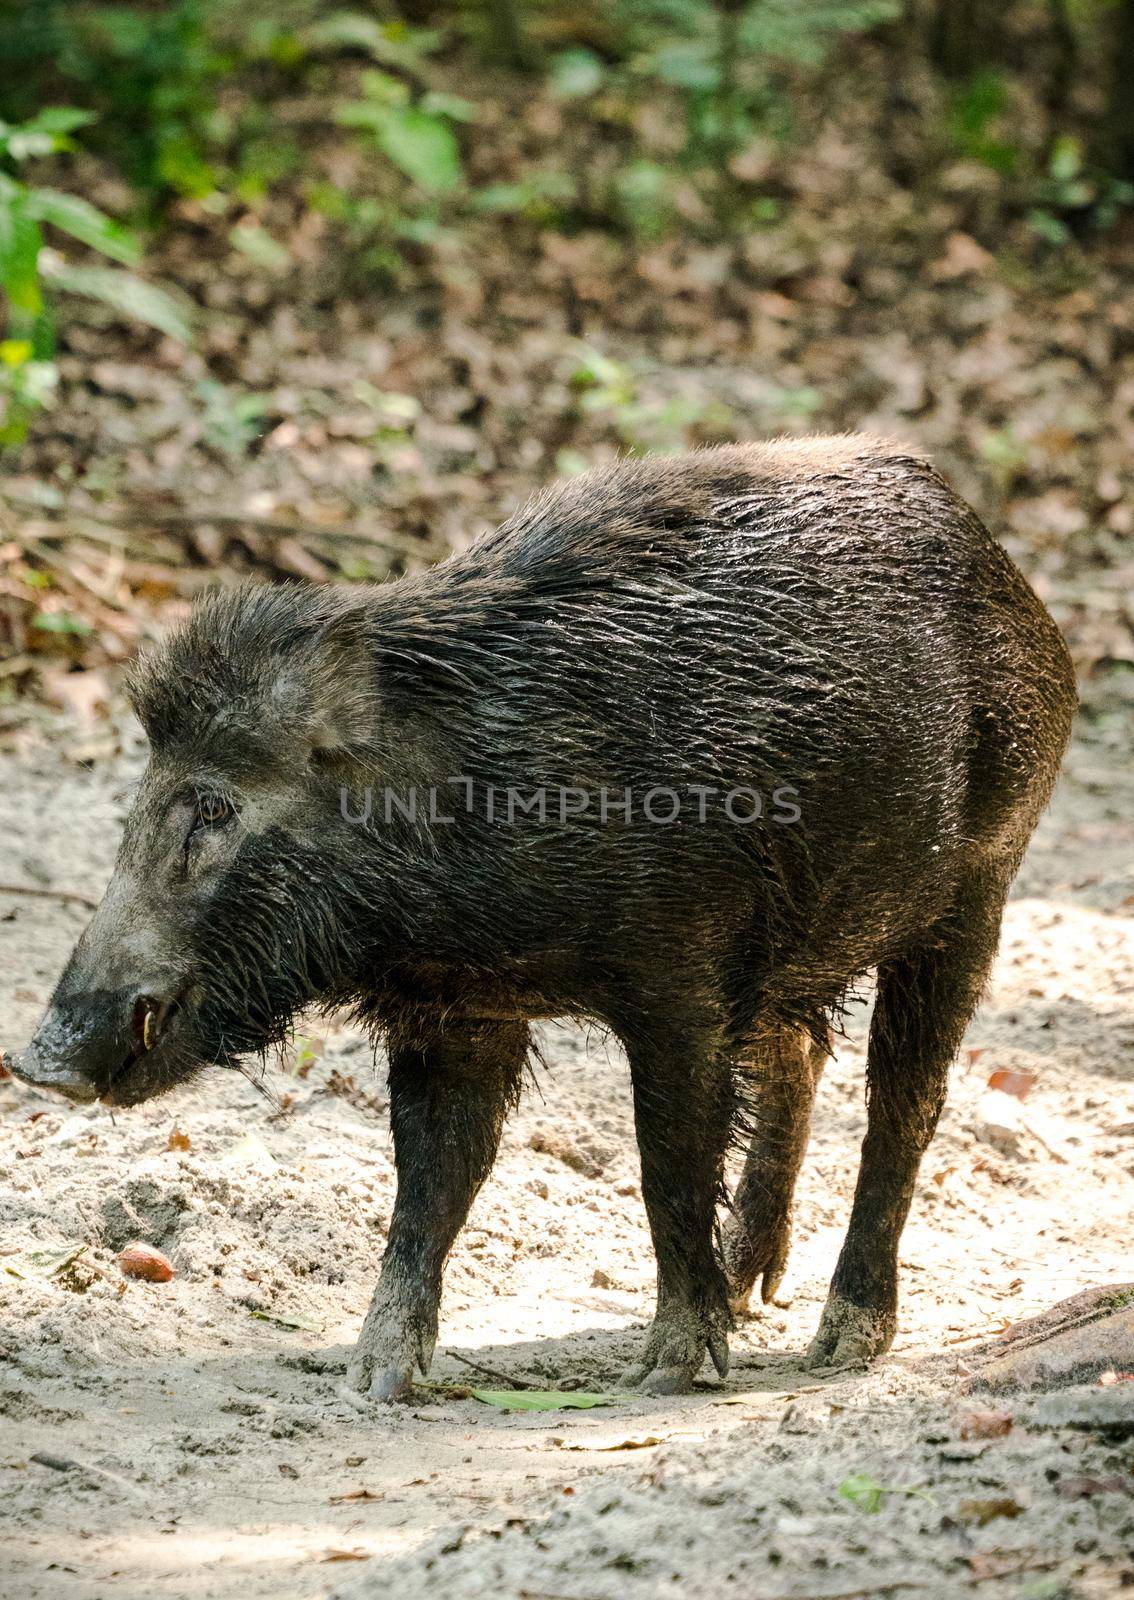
(213, 809)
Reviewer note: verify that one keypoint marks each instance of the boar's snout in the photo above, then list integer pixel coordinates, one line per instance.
(88, 1042)
(46, 1073)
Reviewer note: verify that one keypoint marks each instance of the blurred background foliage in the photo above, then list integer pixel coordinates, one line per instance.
(357, 276)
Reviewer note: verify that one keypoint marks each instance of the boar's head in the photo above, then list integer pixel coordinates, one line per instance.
(237, 896)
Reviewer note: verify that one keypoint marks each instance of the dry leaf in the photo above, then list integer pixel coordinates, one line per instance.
(963, 257)
(643, 1442)
(1085, 1488)
(1009, 1081)
(985, 1424)
(981, 1512)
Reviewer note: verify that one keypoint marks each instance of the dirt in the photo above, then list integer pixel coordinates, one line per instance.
(192, 1437)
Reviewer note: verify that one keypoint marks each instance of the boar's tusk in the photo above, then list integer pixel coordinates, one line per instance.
(148, 1030)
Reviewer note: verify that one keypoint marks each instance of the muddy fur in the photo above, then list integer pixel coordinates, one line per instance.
(824, 616)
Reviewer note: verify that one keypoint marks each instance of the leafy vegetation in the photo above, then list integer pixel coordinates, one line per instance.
(362, 275)
(33, 275)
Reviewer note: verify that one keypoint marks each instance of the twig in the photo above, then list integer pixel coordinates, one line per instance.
(71, 896)
(491, 1372)
(232, 520)
(67, 1464)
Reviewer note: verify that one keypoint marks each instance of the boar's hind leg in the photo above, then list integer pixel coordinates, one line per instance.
(923, 1004)
(786, 1064)
(449, 1093)
(683, 1106)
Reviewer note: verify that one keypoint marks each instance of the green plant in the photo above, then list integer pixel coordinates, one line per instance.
(33, 273)
(1072, 191)
(152, 72)
(414, 131)
(232, 419)
(721, 57)
(869, 1496)
(373, 229)
(415, 135)
(661, 424)
(976, 113)
(543, 197)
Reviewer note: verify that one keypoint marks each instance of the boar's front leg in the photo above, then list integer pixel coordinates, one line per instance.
(450, 1089)
(683, 1105)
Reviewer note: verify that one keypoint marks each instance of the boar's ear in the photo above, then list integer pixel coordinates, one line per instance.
(327, 694)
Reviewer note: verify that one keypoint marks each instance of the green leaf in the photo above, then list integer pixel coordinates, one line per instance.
(44, 134)
(576, 74)
(84, 222)
(60, 119)
(42, 1264)
(391, 42)
(423, 147)
(862, 1491)
(20, 244)
(1066, 158)
(258, 245)
(543, 1399)
(122, 292)
(439, 104)
(60, 622)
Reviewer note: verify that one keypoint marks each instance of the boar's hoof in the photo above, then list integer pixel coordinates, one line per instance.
(381, 1379)
(397, 1336)
(850, 1335)
(391, 1383)
(754, 1258)
(675, 1350)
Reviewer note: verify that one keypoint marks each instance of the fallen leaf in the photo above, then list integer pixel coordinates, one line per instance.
(356, 1494)
(178, 1140)
(290, 1319)
(963, 257)
(345, 1555)
(1009, 1080)
(863, 1491)
(981, 1512)
(542, 1399)
(643, 1442)
(985, 1424)
(42, 1264)
(86, 695)
(1084, 1488)
(868, 1495)
(249, 1152)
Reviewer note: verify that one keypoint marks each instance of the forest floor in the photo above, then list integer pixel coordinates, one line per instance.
(192, 1440)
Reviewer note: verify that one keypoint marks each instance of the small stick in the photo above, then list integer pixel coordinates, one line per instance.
(71, 896)
(67, 1464)
(491, 1372)
(231, 521)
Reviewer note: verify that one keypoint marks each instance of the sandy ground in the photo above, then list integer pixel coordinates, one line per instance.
(201, 1446)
